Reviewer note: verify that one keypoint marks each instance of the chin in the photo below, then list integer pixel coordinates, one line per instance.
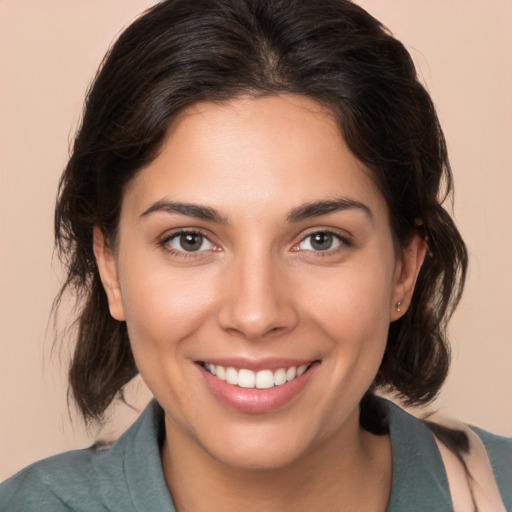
(260, 458)
(260, 447)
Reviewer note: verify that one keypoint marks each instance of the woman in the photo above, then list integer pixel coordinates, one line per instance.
(252, 218)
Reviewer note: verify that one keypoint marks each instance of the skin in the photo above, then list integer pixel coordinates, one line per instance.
(258, 288)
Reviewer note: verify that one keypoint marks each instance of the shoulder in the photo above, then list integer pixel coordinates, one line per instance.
(93, 479)
(423, 466)
(58, 483)
(499, 450)
(419, 480)
(478, 472)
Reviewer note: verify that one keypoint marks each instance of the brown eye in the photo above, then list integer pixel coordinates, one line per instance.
(190, 242)
(320, 241)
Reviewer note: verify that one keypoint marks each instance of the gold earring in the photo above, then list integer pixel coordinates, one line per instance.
(398, 304)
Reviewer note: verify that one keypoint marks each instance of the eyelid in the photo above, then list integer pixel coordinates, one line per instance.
(163, 241)
(344, 238)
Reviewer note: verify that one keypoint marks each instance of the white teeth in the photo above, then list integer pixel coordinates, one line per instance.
(264, 379)
(301, 369)
(290, 373)
(280, 377)
(246, 379)
(219, 372)
(231, 376)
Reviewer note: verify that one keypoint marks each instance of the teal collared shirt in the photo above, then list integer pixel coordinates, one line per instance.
(128, 475)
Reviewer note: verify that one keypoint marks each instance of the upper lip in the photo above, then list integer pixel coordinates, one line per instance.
(256, 364)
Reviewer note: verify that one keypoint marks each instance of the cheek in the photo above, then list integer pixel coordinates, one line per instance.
(163, 306)
(353, 312)
(353, 301)
(164, 312)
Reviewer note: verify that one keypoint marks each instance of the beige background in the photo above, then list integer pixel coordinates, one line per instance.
(49, 51)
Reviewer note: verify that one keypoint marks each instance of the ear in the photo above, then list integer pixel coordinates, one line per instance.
(406, 272)
(105, 259)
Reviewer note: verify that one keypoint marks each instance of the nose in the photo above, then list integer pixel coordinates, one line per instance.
(257, 301)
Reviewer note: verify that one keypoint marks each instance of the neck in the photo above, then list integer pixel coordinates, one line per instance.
(349, 471)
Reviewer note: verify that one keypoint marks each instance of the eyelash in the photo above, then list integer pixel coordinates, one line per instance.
(165, 243)
(344, 243)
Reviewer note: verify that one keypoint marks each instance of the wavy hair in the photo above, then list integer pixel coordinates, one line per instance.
(180, 52)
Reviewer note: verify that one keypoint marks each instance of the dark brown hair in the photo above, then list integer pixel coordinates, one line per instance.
(180, 52)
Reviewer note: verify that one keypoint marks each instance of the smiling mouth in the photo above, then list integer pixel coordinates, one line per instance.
(263, 379)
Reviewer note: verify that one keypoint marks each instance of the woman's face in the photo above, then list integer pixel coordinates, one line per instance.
(254, 247)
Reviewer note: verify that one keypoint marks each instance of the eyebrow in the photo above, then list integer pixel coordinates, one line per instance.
(189, 209)
(302, 212)
(319, 208)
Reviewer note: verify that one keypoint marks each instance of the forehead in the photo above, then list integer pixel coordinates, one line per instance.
(271, 153)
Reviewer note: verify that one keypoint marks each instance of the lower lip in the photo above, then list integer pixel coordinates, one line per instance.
(253, 400)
